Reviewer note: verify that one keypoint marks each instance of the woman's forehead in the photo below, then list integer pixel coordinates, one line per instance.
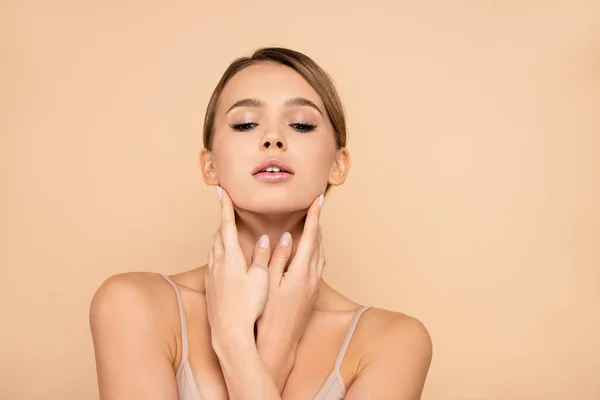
(268, 82)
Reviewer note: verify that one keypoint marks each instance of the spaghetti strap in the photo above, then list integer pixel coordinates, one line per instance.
(342, 353)
(184, 336)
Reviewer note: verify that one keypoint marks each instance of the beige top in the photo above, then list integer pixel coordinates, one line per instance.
(333, 389)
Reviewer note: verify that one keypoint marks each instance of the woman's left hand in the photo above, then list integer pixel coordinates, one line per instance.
(235, 294)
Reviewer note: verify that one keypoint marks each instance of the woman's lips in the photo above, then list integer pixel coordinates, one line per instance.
(273, 177)
(272, 162)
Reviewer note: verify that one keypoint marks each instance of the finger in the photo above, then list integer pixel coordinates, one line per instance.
(211, 259)
(321, 261)
(218, 248)
(280, 258)
(310, 235)
(262, 252)
(211, 262)
(314, 260)
(228, 228)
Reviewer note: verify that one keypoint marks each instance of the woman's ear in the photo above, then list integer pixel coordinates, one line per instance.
(207, 165)
(341, 167)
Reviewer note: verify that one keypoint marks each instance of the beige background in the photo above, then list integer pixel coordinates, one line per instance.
(473, 201)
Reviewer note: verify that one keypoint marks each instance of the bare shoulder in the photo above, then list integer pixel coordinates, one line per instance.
(395, 359)
(134, 302)
(382, 330)
(127, 292)
(133, 318)
(386, 330)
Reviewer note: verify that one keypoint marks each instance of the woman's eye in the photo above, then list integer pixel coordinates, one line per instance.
(245, 126)
(303, 127)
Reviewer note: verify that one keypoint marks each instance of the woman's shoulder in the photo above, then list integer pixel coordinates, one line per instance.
(381, 331)
(377, 321)
(392, 339)
(394, 326)
(143, 295)
(132, 303)
(141, 289)
(135, 326)
(145, 288)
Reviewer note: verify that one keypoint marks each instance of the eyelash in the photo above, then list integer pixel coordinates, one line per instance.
(300, 127)
(303, 127)
(243, 127)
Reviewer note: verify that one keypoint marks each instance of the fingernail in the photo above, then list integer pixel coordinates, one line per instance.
(320, 201)
(219, 192)
(263, 242)
(285, 239)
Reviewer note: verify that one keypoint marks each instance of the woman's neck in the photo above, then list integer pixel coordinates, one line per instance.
(251, 226)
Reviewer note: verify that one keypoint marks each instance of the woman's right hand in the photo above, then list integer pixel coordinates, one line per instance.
(292, 295)
(235, 294)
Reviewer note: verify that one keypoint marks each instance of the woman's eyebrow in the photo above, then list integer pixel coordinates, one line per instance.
(257, 103)
(302, 102)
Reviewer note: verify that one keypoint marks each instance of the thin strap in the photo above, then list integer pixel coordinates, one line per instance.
(342, 353)
(184, 336)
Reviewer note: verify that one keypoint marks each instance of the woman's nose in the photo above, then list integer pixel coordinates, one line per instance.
(268, 143)
(274, 139)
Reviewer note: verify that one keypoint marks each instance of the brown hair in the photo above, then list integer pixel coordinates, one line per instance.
(302, 64)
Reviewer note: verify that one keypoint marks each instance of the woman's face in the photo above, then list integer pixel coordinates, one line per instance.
(268, 113)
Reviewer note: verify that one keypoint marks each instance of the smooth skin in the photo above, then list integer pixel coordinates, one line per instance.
(301, 321)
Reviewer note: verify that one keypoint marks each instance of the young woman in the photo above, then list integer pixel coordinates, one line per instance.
(258, 322)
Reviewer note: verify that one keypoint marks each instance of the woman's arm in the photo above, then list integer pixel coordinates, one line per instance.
(396, 364)
(246, 375)
(133, 357)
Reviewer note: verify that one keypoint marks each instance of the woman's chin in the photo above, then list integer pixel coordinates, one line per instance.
(272, 208)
